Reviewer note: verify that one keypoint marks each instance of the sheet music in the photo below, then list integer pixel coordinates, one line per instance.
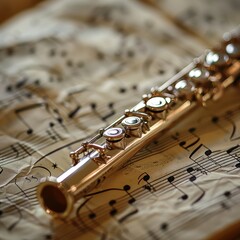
(71, 67)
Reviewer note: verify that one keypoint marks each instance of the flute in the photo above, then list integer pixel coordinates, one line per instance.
(203, 80)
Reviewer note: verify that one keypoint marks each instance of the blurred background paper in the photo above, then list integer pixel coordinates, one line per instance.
(68, 68)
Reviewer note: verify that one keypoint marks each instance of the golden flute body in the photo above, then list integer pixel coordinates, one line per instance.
(203, 80)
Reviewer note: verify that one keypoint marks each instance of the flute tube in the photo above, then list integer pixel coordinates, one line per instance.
(58, 195)
(157, 111)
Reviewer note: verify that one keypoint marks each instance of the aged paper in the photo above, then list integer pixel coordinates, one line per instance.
(68, 68)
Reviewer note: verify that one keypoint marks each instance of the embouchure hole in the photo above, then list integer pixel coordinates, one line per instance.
(54, 199)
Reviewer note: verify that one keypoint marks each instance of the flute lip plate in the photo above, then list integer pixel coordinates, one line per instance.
(54, 198)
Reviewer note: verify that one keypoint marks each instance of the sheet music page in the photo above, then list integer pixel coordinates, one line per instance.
(68, 68)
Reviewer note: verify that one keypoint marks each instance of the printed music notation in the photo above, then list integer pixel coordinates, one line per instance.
(60, 84)
(183, 186)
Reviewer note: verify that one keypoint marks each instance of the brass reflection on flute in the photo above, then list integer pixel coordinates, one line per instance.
(203, 80)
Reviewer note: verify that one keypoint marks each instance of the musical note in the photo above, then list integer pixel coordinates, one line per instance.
(145, 177)
(208, 154)
(126, 188)
(113, 210)
(231, 151)
(192, 179)
(105, 117)
(164, 226)
(74, 111)
(186, 146)
(80, 222)
(171, 181)
(48, 237)
(30, 107)
(20, 83)
(91, 215)
(198, 151)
